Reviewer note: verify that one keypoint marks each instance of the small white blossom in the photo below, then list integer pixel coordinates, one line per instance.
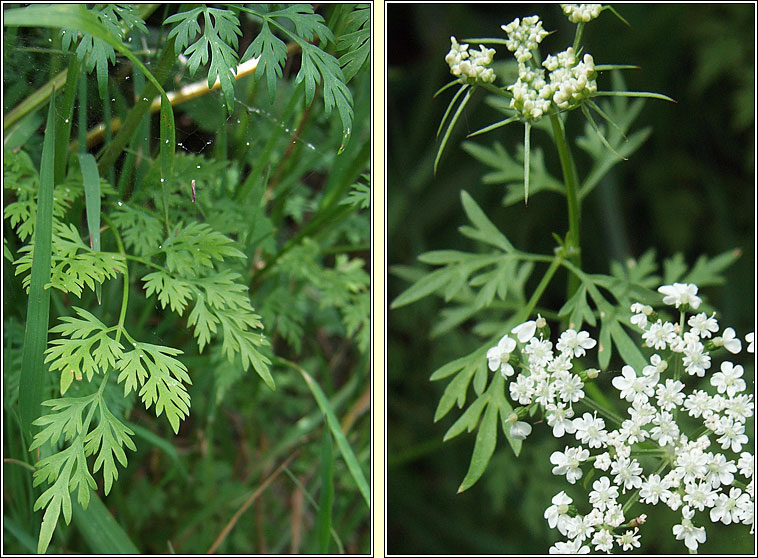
(557, 514)
(633, 388)
(702, 325)
(603, 461)
(746, 464)
(729, 341)
(669, 396)
(692, 536)
(524, 332)
(630, 539)
(603, 540)
(567, 462)
(640, 314)
(750, 340)
(603, 494)
(520, 430)
(559, 418)
(571, 342)
(680, 294)
(590, 430)
(498, 356)
(659, 335)
(729, 380)
(627, 473)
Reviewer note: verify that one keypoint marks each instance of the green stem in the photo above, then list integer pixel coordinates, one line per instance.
(537, 294)
(571, 181)
(610, 415)
(125, 296)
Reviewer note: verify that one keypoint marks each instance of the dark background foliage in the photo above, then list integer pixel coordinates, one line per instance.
(689, 189)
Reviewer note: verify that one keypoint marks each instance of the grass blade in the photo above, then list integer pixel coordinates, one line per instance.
(326, 499)
(334, 425)
(33, 368)
(91, 180)
(66, 110)
(100, 530)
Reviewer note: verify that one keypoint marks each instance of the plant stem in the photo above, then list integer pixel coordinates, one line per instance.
(610, 415)
(537, 294)
(125, 297)
(572, 196)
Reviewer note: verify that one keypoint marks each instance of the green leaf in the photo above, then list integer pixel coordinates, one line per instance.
(355, 42)
(486, 439)
(423, 287)
(38, 308)
(160, 375)
(107, 440)
(272, 54)
(486, 231)
(87, 349)
(170, 290)
(219, 39)
(196, 246)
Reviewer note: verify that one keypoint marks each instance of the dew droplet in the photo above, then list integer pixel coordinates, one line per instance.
(113, 99)
(163, 180)
(127, 77)
(120, 203)
(160, 247)
(198, 166)
(247, 143)
(166, 141)
(66, 121)
(208, 142)
(239, 121)
(144, 98)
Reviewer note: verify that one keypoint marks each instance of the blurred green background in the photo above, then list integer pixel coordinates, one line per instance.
(690, 189)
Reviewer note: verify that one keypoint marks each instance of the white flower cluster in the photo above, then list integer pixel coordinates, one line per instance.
(710, 471)
(581, 12)
(569, 83)
(524, 36)
(546, 378)
(473, 64)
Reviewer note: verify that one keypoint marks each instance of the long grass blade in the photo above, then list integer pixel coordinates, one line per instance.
(100, 530)
(326, 499)
(66, 112)
(91, 180)
(33, 368)
(334, 425)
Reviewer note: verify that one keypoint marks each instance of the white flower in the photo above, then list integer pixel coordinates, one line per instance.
(522, 390)
(726, 508)
(590, 430)
(690, 464)
(627, 473)
(699, 403)
(669, 396)
(746, 464)
(654, 488)
(571, 342)
(569, 387)
(729, 380)
(631, 387)
(603, 540)
(680, 294)
(569, 547)
(498, 356)
(629, 540)
(540, 352)
(659, 335)
(520, 430)
(567, 462)
(603, 461)
(665, 430)
(559, 418)
(696, 360)
(732, 434)
(720, 471)
(699, 495)
(692, 535)
(729, 341)
(614, 515)
(640, 314)
(750, 339)
(702, 325)
(525, 331)
(557, 514)
(603, 494)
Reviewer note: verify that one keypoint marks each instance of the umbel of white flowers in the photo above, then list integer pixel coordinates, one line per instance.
(707, 477)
